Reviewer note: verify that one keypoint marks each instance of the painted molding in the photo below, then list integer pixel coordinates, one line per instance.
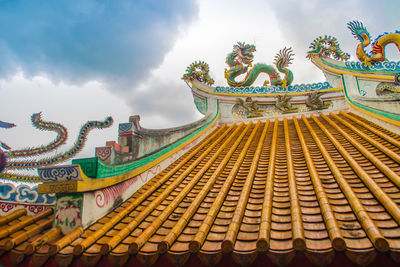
(238, 91)
(15, 196)
(274, 89)
(330, 65)
(385, 66)
(22, 193)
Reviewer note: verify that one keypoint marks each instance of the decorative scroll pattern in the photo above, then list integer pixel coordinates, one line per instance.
(125, 127)
(10, 192)
(107, 195)
(274, 89)
(103, 153)
(389, 66)
(60, 174)
(7, 207)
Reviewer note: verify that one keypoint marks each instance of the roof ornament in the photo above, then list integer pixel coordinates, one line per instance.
(241, 59)
(198, 70)
(327, 46)
(378, 46)
(11, 160)
(314, 101)
(283, 104)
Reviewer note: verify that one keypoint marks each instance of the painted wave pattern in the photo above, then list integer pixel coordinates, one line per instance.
(377, 66)
(274, 89)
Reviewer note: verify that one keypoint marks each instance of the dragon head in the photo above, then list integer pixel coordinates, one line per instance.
(359, 32)
(198, 71)
(244, 52)
(327, 46)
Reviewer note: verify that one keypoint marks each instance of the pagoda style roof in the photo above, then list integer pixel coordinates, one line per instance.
(317, 185)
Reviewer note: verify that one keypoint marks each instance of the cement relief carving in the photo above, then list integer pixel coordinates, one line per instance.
(314, 101)
(245, 109)
(283, 104)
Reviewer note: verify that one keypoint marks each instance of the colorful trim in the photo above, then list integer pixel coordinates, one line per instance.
(7, 207)
(336, 69)
(264, 95)
(385, 66)
(274, 89)
(10, 192)
(201, 103)
(380, 114)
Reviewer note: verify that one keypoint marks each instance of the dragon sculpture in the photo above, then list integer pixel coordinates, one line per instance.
(62, 135)
(385, 88)
(327, 46)
(10, 159)
(198, 71)
(241, 58)
(248, 108)
(283, 104)
(314, 101)
(378, 46)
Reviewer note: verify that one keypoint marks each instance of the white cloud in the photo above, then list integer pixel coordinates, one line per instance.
(162, 99)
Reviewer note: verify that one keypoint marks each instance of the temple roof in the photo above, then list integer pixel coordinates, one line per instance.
(322, 184)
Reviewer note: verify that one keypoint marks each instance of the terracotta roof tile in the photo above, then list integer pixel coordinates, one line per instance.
(316, 185)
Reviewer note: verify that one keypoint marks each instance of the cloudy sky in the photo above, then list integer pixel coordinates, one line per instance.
(81, 60)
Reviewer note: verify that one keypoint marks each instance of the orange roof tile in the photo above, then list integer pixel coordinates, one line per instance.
(318, 185)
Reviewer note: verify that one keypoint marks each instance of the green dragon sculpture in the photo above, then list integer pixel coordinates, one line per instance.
(13, 164)
(241, 58)
(378, 46)
(198, 71)
(327, 46)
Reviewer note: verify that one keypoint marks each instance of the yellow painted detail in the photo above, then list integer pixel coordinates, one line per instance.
(389, 120)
